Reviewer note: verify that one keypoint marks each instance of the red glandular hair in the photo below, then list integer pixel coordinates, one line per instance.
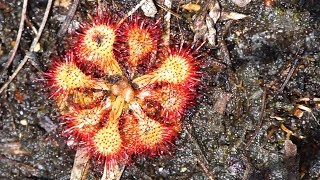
(141, 39)
(128, 131)
(106, 145)
(148, 137)
(95, 43)
(155, 138)
(173, 100)
(178, 66)
(135, 120)
(83, 123)
(64, 76)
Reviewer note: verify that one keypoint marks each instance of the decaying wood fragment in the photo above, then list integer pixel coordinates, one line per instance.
(241, 3)
(225, 15)
(209, 15)
(291, 162)
(80, 165)
(221, 103)
(12, 148)
(26, 170)
(149, 9)
(297, 112)
(113, 174)
(167, 18)
(191, 7)
(289, 132)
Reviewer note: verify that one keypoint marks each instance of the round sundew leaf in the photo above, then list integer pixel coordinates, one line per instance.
(107, 145)
(141, 39)
(95, 45)
(65, 76)
(177, 67)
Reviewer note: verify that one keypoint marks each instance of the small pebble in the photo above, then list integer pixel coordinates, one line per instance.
(24, 122)
(37, 47)
(184, 169)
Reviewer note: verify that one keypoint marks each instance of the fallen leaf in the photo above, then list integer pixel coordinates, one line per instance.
(215, 12)
(191, 7)
(241, 3)
(231, 16)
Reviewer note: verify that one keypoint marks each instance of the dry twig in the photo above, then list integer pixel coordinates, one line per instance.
(15, 48)
(133, 10)
(167, 17)
(292, 69)
(178, 16)
(33, 44)
(80, 165)
(201, 160)
(29, 23)
(68, 19)
(262, 115)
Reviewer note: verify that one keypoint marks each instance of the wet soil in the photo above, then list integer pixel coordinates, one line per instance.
(245, 125)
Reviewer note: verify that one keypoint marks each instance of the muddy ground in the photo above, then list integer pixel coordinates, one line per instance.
(250, 121)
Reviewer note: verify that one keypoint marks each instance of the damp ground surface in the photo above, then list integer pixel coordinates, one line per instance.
(250, 121)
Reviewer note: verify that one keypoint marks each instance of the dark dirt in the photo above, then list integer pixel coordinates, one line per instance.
(237, 130)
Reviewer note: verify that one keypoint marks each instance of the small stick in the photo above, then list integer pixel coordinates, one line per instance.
(205, 169)
(132, 11)
(169, 10)
(202, 160)
(15, 48)
(29, 23)
(80, 165)
(262, 114)
(292, 69)
(100, 8)
(34, 42)
(248, 171)
(68, 19)
(167, 17)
